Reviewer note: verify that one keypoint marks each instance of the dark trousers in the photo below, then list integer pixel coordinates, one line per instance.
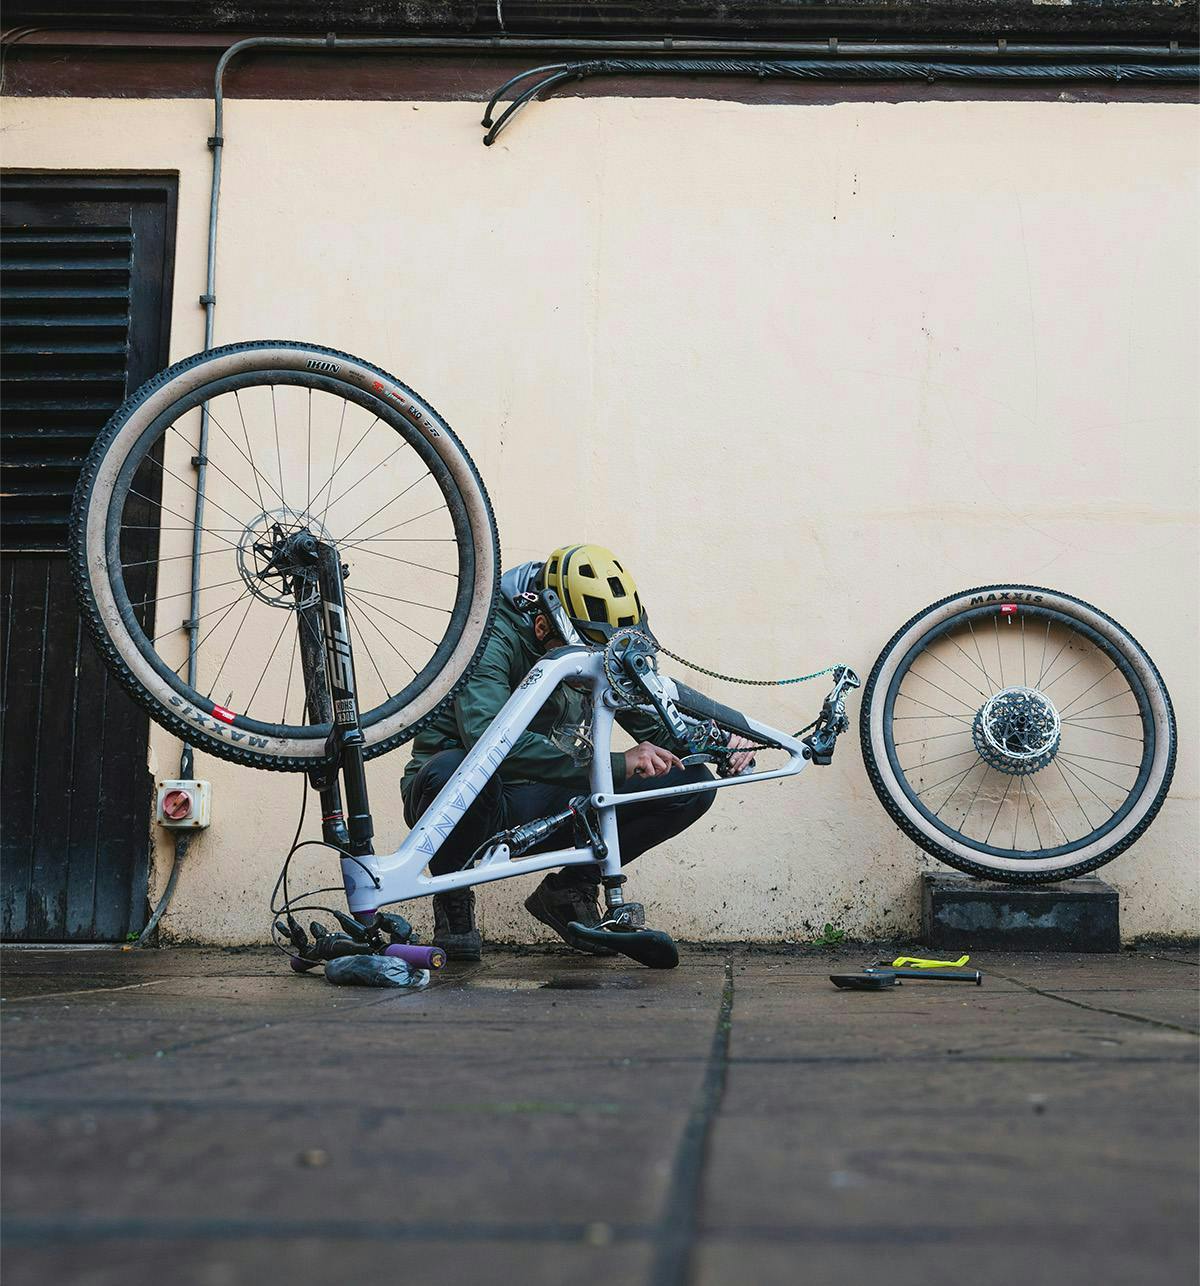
(503, 804)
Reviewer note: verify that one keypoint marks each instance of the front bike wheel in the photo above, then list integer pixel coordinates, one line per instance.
(1018, 733)
(299, 438)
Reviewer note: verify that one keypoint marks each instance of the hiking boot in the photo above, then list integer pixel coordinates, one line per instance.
(557, 906)
(454, 928)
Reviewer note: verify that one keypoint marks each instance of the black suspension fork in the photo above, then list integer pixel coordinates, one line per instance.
(327, 659)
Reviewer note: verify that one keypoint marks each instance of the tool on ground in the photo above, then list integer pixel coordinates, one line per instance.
(918, 962)
(875, 979)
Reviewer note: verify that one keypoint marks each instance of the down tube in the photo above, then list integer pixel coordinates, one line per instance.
(399, 874)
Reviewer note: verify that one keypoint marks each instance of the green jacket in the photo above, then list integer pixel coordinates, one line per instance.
(510, 653)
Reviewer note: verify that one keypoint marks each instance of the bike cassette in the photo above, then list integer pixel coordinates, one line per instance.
(626, 647)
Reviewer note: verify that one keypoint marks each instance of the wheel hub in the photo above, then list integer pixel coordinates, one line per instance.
(1017, 731)
(269, 557)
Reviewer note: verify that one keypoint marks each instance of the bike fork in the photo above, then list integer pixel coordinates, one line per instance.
(327, 660)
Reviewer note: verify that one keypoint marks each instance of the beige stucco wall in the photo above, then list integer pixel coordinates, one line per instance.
(808, 369)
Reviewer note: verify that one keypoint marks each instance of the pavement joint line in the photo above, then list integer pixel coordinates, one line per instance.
(83, 991)
(388, 996)
(677, 1228)
(41, 1232)
(1100, 1009)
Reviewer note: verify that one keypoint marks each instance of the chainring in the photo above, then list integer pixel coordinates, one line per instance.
(627, 642)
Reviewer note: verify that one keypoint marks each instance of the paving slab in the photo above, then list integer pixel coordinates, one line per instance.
(206, 1116)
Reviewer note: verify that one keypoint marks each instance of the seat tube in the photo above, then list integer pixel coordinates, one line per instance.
(603, 717)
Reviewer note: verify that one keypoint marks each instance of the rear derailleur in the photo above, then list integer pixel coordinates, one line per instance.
(833, 720)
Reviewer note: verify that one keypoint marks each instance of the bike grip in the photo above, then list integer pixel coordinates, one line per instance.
(418, 957)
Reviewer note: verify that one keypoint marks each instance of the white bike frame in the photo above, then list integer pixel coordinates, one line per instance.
(376, 880)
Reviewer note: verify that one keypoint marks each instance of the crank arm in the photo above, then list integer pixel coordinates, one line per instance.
(649, 947)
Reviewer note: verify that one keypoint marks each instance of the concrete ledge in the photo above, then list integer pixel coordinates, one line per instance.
(958, 911)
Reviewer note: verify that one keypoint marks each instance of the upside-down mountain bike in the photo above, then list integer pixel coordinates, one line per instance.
(326, 570)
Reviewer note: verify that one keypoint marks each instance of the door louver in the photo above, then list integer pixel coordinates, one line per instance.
(64, 336)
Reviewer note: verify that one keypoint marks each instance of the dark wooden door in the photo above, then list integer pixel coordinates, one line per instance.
(86, 268)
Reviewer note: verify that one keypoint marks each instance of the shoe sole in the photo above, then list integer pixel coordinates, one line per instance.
(533, 905)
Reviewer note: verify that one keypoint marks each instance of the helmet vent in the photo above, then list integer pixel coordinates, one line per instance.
(596, 609)
(588, 571)
(614, 583)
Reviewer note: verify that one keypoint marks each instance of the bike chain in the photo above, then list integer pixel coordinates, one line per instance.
(712, 674)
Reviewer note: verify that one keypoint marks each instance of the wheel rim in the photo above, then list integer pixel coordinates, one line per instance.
(1047, 789)
(289, 451)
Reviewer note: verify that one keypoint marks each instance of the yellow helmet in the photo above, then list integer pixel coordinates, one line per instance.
(598, 593)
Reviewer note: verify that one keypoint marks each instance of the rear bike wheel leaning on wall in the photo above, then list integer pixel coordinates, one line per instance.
(300, 439)
(1018, 733)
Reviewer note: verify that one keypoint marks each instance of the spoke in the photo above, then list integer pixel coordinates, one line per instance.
(208, 500)
(387, 504)
(1074, 796)
(228, 650)
(987, 677)
(348, 457)
(337, 446)
(1042, 667)
(999, 806)
(407, 561)
(1053, 814)
(917, 675)
(999, 662)
(937, 736)
(387, 639)
(278, 451)
(1131, 715)
(249, 458)
(1047, 671)
(1120, 763)
(1104, 732)
(183, 593)
(372, 470)
(134, 526)
(940, 713)
(395, 619)
(944, 780)
(971, 768)
(978, 787)
(287, 691)
(192, 651)
(933, 656)
(1032, 815)
(309, 494)
(1074, 773)
(169, 558)
(971, 627)
(1025, 681)
(175, 628)
(1020, 788)
(1087, 690)
(374, 593)
(362, 540)
(1047, 686)
(370, 655)
(270, 657)
(928, 763)
(212, 464)
(1077, 768)
(206, 530)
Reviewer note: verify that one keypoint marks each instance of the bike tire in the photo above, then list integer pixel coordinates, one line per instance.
(1147, 735)
(127, 444)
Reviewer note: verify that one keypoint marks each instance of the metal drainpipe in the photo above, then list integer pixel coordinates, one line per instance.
(832, 49)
